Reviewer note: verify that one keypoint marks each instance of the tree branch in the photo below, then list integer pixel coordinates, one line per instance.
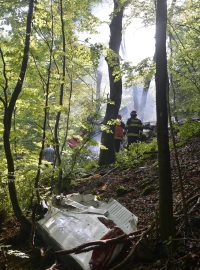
(4, 101)
(96, 244)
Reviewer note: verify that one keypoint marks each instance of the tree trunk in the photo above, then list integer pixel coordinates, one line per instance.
(99, 75)
(56, 130)
(107, 154)
(147, 82)
(8, 112)
(165, 199)
(46, 105)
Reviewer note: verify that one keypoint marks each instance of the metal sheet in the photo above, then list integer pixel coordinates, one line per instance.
(79, 225)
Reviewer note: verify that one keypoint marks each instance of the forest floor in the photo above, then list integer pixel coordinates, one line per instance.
(137, 189)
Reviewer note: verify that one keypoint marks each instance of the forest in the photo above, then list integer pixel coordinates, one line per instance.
(54, 92)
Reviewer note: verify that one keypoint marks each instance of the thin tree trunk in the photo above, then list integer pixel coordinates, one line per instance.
(99, 76)
(56, 130)
(135, 97)
(180, 178)
(172, 82)
(46, 91)
(8, 113)
(165, 184)
(147, 82)
(68, 111)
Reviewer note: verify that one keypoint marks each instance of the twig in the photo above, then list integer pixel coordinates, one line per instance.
(192, 199)
(112, 170)
(186, 238)
(133, 248)
(99, 243)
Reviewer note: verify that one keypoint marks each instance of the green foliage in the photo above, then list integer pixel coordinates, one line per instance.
(136, 153)
(96, 52)
(4, 196)
(80, 100)
(188, 130)
(142, 72)
(80, 160)
(184, 62)
(121, 190)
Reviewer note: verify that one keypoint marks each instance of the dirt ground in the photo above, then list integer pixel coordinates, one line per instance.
(138, 190)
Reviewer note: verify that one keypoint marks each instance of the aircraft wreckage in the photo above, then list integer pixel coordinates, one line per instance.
(76, 219)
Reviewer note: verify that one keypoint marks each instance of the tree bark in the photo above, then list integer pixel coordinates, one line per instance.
(46, 92)
(165, 199)
(8, 113)
(107, 154)
(147, 82)
(56, 130)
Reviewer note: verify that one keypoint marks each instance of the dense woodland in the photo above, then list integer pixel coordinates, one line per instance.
(49, 92)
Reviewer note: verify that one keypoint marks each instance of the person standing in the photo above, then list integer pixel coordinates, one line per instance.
(48, 154)
(133, 128)
(119, 132)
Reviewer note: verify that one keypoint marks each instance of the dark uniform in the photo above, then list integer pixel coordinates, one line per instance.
(133, 128)
(48, 154)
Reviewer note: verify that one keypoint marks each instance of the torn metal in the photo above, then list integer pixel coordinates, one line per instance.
(77, 219)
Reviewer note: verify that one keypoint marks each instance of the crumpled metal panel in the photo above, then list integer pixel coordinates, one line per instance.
(121, 216)
(76, 222)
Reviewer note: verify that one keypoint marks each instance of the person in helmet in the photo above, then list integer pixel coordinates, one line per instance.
(119, 132)
(134, 128)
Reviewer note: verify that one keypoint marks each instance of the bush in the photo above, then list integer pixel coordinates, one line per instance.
(188, 130)
(136, 153)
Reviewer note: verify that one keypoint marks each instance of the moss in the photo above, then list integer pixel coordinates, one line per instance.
(121, 190)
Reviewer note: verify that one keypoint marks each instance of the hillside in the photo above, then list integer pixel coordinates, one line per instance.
(137, 189)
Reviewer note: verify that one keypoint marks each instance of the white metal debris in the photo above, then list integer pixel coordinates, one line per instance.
(75, 219)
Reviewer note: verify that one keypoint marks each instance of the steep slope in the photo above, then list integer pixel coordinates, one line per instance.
(137, 189)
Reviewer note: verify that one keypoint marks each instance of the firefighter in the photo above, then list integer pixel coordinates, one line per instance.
(119, 132)
(133, 128)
